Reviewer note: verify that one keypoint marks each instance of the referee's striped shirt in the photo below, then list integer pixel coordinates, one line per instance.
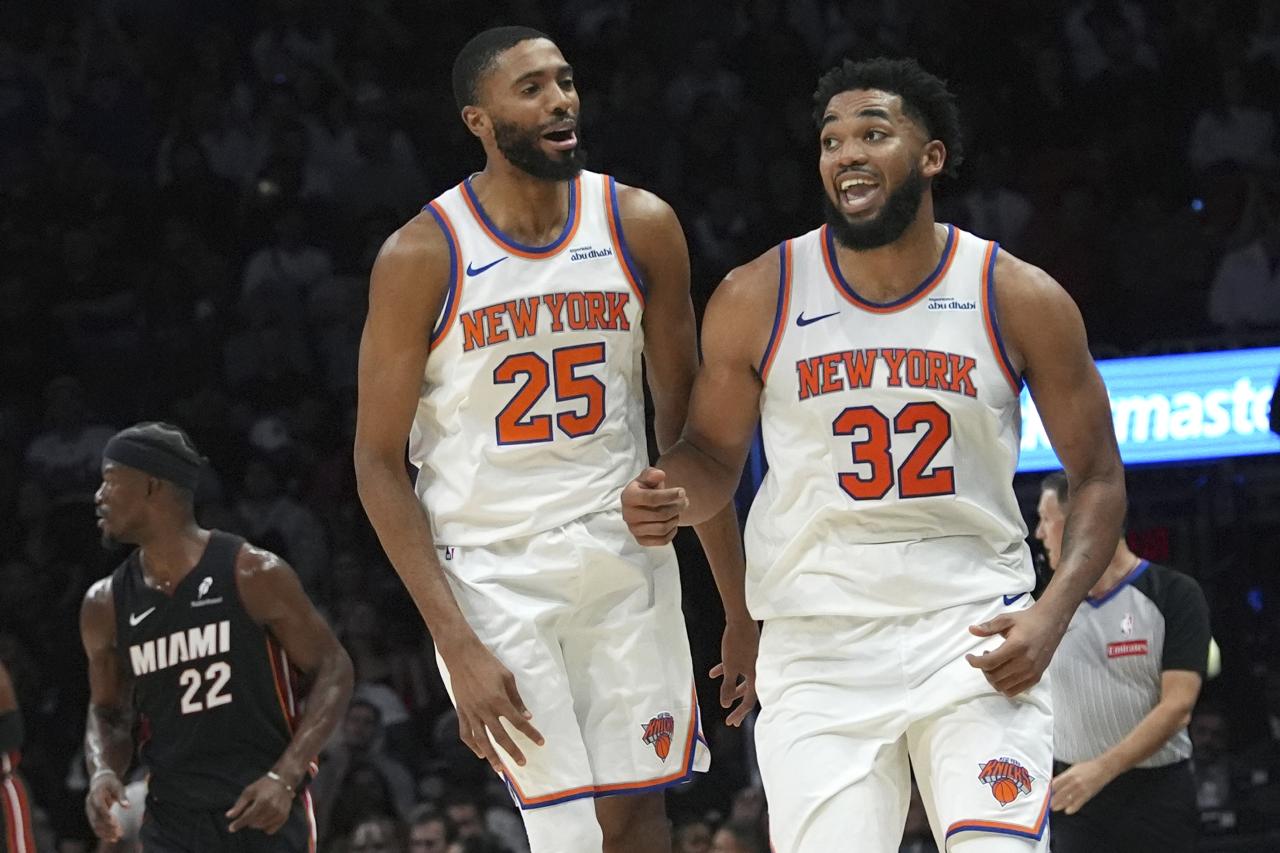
(1106, 673)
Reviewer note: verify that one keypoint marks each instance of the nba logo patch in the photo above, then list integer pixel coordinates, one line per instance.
(657, 733)
(1126, 624)
(204, 587)
(1008, 779)
(448, 552)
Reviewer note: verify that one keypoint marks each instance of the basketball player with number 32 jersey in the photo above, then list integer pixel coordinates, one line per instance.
(883, 355)
(507, 328)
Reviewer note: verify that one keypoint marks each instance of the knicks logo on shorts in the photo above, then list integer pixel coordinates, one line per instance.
(1008, 779)
(657, 733)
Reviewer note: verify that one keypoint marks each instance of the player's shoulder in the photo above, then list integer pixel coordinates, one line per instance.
(419, 241)
(101, 593)
(255, 565)
(1021, 280)
(753, 285)
(643, 213)
(416, 265)
(638, 202)
(98, 613)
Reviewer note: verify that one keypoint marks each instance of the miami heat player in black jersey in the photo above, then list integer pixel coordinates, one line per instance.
(197, 635)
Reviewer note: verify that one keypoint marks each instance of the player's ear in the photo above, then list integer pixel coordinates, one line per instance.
(477, 121)
(933, 159)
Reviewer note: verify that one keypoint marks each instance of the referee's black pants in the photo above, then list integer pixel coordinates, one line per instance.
(1142, 810)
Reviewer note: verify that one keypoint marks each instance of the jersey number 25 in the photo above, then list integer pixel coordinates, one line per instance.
(515, 426)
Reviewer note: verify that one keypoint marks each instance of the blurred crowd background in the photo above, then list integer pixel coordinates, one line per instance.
(192, 195)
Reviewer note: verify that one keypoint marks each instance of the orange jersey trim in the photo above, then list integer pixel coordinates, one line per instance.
(454, 295)
(990, 321)
(533, 253)
(921, 290)
(621, 252)
(783, 310)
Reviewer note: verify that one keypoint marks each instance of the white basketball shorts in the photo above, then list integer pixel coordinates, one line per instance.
(589, 623)
(851, 705)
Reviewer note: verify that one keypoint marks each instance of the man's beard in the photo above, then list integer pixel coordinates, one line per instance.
(523, 149)
(898, 212)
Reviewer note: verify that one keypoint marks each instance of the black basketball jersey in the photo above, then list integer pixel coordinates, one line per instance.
(213, 688)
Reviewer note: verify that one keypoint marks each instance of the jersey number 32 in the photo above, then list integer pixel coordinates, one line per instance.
(871, 431)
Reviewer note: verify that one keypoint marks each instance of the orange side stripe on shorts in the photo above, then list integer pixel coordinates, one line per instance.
(1034, 831)
(691, 749)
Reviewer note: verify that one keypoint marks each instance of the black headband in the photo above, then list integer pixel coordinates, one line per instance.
(154, 459)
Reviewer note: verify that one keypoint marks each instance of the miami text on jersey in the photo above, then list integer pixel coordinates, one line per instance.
(181, 646)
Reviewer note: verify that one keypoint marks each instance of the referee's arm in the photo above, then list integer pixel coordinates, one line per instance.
(1184, 658)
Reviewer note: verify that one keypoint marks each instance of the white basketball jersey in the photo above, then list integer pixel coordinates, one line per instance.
(892, 436)
(532, 409)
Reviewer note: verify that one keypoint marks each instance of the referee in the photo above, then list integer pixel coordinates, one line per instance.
(1124, 681)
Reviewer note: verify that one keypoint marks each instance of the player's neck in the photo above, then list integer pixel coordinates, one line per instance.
(527, 209)
(894, 270)
(1123, 562)
(169, 555)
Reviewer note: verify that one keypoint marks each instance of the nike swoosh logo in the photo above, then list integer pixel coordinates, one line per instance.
(804, 321)
(1010, 599)
(474, 271)
(136, 618)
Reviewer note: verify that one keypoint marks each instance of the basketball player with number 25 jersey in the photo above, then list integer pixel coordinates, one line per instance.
(883, 355)
(507, 327)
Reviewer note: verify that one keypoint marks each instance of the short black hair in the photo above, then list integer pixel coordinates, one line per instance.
(1057, 483)
(478, 55)
(925, 98)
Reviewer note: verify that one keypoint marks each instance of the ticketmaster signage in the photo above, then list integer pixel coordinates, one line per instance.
(1176, 408)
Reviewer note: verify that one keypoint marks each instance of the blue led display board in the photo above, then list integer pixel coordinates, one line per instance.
(1177, 408)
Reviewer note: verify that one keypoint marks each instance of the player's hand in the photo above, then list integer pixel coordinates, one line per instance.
(738, 649)
(1078, 785)
(485, 693)
(651, 511)
(1030, 639)
(105, 791)
(265, 804)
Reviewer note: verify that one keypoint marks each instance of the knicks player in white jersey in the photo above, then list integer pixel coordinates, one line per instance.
(883, 355)
(506, 331)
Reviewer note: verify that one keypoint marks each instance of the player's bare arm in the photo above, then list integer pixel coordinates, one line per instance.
(1046, 340)
(703, 468)
(671, 357)
(108, 737)
(406, 291)
(274, 598)
(1179, 690)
